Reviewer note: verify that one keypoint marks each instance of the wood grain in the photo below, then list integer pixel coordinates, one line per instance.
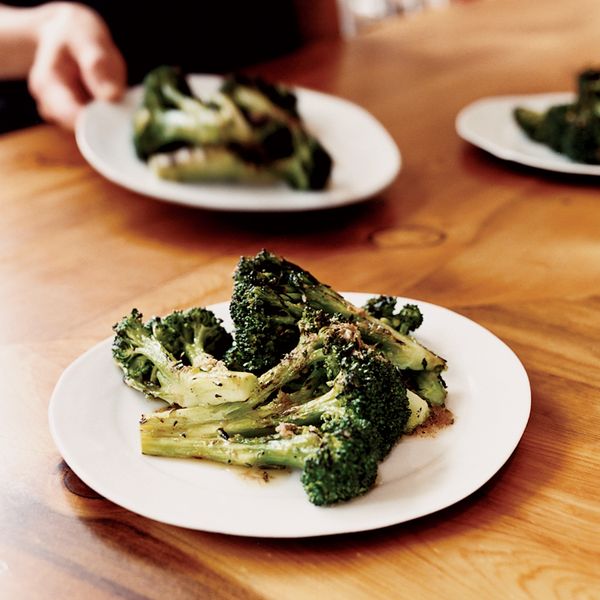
(515, 249)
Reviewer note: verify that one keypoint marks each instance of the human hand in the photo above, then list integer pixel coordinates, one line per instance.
(75, 60)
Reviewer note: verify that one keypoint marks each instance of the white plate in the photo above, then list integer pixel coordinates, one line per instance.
(366, 158)
(94, 422)
(489, 124)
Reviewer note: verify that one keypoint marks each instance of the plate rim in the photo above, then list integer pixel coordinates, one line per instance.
(562, 165)
(307, 201)
(335, 528)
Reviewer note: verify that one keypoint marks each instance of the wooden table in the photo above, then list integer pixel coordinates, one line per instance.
(516, 249)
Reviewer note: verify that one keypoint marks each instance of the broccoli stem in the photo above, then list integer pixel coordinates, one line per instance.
(419, 411)
(430, 386)
(271, 451)
(209, 163)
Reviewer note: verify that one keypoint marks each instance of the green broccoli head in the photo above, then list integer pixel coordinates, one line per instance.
(571, 129)
(269, 298)
(588, 88)
(344, 466)
(132, 334)
(282, 143)
(407, 319)
(189, 335)
(308, 168)
(171, 117)
(363, 386)
(266, 305)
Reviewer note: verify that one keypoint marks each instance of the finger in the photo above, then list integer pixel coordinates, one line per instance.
(61, 103)
(102, 71)
(102, 66)
(54, 83)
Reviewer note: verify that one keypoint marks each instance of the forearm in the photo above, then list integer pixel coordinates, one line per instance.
(19, 29)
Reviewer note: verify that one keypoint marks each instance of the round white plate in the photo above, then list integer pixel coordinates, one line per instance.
(94, 422)
(366, 158)
(489, 124)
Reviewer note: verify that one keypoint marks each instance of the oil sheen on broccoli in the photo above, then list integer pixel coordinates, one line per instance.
(571, 129)
(248, 130)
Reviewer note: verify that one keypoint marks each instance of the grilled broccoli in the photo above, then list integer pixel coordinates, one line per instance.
(170, 117)
(427, 383)
(293, 155)
(571, 129)
(208, 164)
(259, 98)
(329, 374)
(337, 437)
(249, 130)
(404, 321)
(337, 462)
(169, 359)
(268, 299)
(333, 387)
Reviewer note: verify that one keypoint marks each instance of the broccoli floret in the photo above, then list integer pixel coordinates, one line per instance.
(571, 129)
(259, 98)
(194, 336)
(296, 157)
(337, 438)
(367, 387)
(549, 127)
(171, 117)
(149, 365)
(407, 319)
(163, 86)
(248, 131)
(308, 168)
(268, 299)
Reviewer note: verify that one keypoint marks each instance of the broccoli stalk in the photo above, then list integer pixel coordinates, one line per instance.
(151, 356)
(337, 463)
(419, 411)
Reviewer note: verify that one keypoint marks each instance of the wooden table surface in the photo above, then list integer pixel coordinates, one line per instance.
(515, 249)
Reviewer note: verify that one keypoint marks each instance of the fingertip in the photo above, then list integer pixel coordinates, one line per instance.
(109, 90)
(103, 71)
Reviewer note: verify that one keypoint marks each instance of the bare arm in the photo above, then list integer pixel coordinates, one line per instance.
(19, 29)
(65, 52)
